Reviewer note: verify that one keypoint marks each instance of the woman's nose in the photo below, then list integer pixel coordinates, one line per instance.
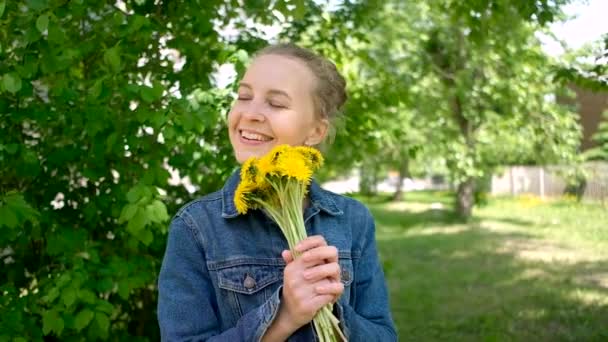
(254, 112)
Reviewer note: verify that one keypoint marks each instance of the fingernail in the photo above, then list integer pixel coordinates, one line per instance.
(306, 275)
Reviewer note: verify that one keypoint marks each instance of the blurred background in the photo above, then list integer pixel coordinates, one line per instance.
(476, 131)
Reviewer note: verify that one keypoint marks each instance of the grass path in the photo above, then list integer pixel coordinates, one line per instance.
(521, 270)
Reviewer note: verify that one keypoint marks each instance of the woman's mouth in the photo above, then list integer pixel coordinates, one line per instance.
(253, 138)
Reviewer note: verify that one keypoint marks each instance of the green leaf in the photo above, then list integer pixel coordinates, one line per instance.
(124, 289)
(63, 280)
(111, 141)
(11, 82)
(157, 211)
(299, 10)
(15, 210)
(51, 296)
(106, 307)
(158, 89)
(147, 94)
(137, 223)
(104, 285)
(55, 34)
(151, 94)
(135, 193)
(240, 56)
(8, 217)
(95, 90)
(94, 255)
(112, 58)
(42, 23)
(102, 321)
(188, 121)
(128, 211)
(146, 237)
(87, 296)
(169, 132)
(2, 7)
(83, 318)
(29, 67)
(137, 21)
(37, 5)
(51, 322)
(69, 296)
(18, 203)
(11, 148)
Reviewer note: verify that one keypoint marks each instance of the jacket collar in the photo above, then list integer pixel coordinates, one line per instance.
(319, 198)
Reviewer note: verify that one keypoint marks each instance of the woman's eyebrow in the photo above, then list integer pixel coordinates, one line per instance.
(279, 92)
(270, 92)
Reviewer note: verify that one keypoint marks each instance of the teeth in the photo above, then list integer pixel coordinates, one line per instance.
(254, 136)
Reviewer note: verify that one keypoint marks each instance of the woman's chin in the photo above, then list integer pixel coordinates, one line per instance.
(242, 156)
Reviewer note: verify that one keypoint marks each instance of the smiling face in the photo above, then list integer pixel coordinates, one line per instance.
(275, 106)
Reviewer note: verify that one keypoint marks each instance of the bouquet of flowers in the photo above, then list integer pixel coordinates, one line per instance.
(278, 183)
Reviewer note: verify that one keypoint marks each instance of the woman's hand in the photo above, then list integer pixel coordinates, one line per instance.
(311, 281)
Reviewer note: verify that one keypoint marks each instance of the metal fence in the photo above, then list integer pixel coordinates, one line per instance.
(549, 181)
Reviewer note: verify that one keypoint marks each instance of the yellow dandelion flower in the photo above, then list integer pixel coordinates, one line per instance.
(293, 164)
(266, 166)
(277, 151)
(250, 170)
(241, 200)
(312, 155)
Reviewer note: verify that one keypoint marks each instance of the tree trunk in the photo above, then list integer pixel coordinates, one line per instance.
(465, 198)
(367, 181)
(404, 172)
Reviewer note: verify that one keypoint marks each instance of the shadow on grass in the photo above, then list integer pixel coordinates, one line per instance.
(508, 220)
(403, 220)
(446, 198)
(454, 281)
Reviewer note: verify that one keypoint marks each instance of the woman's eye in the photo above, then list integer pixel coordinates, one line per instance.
(276, 105)
(244, 98)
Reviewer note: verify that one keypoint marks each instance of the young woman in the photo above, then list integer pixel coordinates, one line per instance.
(231, 277)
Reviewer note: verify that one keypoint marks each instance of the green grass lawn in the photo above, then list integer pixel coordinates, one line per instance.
(522, 270)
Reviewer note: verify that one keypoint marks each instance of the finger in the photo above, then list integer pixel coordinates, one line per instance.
(310, 242)
(319, 272)
(334, 289)
(317, 302)
(287, 256)
(319, 255)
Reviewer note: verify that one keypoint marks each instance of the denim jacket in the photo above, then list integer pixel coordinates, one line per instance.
(222, 273)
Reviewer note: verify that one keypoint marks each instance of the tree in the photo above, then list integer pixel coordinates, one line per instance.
(494, 75)
(455, 78)
(589, 75)
(98, 103)
(449, 77)
(473, 75)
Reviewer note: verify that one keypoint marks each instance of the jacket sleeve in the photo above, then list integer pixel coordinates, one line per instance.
(368, 317)
(187, 309)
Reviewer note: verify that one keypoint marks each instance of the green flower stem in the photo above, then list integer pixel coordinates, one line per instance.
(288, 213)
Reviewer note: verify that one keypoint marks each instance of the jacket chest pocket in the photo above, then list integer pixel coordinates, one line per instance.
(248, 286)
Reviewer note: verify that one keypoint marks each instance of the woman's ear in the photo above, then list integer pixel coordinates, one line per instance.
(318, 133)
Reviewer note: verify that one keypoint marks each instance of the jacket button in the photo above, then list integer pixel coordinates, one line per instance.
(345, 275)
(249, 282)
